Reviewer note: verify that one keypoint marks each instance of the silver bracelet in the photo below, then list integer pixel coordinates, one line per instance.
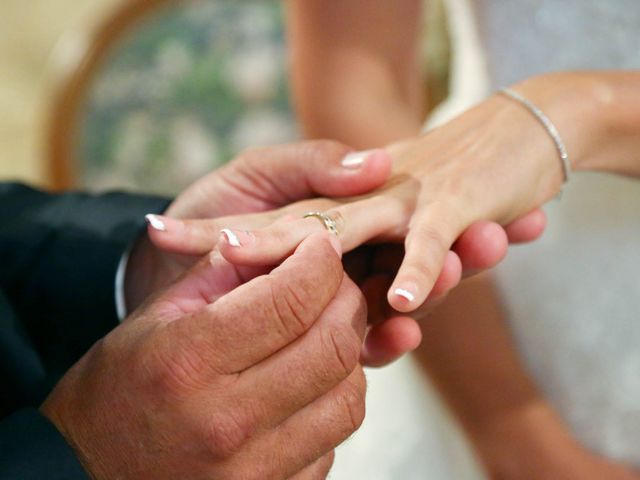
(547, 124)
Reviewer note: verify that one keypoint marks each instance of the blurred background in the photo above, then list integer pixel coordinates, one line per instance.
(179, 95)
(143, 94)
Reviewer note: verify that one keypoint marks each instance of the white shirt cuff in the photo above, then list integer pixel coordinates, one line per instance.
(121, 304)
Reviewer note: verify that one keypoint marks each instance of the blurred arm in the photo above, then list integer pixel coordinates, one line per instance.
(356, 69)
(470, 354)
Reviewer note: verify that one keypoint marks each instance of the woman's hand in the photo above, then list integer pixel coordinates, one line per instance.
(495, 162)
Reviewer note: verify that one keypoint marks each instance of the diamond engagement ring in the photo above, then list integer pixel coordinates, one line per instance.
(328, 222)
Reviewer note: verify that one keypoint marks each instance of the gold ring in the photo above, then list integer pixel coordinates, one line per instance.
(328, 222)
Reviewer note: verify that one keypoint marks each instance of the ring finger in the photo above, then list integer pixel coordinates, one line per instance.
(354, 222)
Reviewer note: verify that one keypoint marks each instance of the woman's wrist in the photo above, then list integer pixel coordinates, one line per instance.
(570, 102)
(596, 113)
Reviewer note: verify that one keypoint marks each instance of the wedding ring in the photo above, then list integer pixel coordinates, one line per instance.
(328, 222)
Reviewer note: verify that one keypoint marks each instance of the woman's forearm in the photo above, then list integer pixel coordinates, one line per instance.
(494, 162)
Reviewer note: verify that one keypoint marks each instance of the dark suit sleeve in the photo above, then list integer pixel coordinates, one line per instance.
(32, 449)
(59, 259)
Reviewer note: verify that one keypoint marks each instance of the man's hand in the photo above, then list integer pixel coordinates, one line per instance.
(265, 178)
(258, 382)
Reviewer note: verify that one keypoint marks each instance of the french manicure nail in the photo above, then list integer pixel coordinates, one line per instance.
(356, 159)
(155, 222)
(401, 292)
(231, 236)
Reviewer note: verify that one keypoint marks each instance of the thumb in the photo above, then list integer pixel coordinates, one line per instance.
(281, 175)
(267, 313)
(205, 282)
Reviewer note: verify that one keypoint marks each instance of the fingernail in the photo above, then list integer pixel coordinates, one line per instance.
(236, 238)
(356, 159)
(155, 222)
(231, 237)
(406, 294)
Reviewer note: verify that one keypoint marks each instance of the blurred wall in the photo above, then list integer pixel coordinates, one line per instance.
(38, 40)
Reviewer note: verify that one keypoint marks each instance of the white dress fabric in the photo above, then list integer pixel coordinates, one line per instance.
(573, 298)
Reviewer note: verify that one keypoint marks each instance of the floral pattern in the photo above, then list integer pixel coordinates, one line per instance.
(184, 92)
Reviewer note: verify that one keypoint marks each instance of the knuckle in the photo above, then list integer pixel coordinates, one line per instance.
(205, 231)
(227, 432)
(278, 235)
(343, 350)
(423, 272)
(429, 235)
(360, 316)
(178, 370)
(289, 309)
(253, 167)
(242, 163)
(357, 297)
(355, 305)
(324, 273)
(178, 376)
(352, 403)
(428, 267)
(358, 380)
(362, 311)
